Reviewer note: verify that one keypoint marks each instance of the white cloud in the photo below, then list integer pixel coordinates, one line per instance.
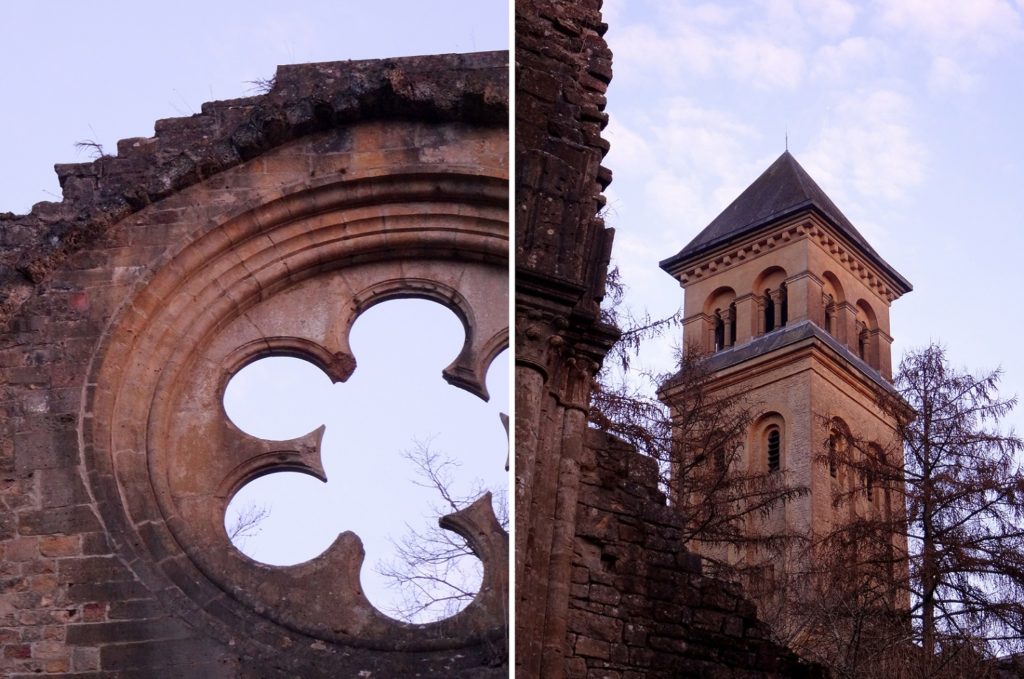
(848, 58)
(765, 64)
(704, 41)
(701, 152)
(948, 75)
(630, 151)
(676, 196)
(869, 145)
(983, 24)
(681, 50)
(611, 12)
(833, 18)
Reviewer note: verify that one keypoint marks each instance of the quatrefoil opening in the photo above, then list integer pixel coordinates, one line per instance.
(390, 405)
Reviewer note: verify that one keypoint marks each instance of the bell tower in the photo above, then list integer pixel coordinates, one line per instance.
(791, 305)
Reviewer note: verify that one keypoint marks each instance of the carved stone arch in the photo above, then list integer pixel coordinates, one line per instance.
(866, 314)
(168, 461)
(769, 279)
(832, 287)
(721, 298)
(239, 232)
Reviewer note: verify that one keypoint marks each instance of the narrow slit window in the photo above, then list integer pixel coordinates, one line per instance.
(774, 450)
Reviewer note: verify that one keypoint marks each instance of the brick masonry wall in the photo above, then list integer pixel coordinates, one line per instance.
(76, 597)
(640, 607)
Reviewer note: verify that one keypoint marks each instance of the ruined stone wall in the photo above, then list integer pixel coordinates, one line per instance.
(640, 606)
(261, 226)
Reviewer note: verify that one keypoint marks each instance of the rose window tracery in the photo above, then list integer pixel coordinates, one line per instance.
(288, 279)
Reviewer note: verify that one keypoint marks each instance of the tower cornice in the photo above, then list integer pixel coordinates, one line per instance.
(808, 223)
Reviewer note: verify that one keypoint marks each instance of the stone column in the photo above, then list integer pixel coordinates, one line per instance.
(759, 305)
(829, 320)
(776, 296)
(746, 318)
(728, 320)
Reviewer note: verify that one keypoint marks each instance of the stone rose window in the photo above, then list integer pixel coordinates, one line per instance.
(289, 278)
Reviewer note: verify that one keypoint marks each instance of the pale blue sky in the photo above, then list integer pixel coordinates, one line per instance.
(104, 70)
(907, 113)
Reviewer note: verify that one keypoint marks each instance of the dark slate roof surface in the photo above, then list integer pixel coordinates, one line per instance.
(782, 190)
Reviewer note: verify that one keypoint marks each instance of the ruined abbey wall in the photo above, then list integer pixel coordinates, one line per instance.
(640, 606)
(261, 226)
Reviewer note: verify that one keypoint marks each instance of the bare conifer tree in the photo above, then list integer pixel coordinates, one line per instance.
(954, 600)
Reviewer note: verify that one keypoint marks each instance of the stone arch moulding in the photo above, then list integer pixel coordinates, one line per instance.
(721, 298)
(287, 278)
(770, 278)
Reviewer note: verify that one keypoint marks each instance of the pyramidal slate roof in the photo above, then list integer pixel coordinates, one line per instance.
(781, 191)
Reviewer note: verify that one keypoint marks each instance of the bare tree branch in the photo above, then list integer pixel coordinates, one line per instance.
(247, 523)
(434, 570)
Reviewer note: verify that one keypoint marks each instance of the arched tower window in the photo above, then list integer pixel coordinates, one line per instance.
(768, 438)
(831, 299)
(774, 449)
(837, 446)
(770, 290)
(776, 308)
(720, 315)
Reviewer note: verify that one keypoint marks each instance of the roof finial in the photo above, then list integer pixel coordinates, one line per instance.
(787, 138)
